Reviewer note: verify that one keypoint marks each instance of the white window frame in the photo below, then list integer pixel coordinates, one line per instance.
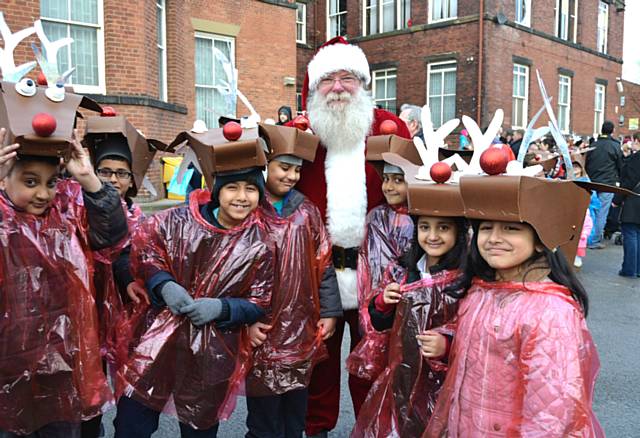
(521, 18)
(162, 45)
(399, 24)
(453, 67)
(602, 36)
(564, 107)
(523, 71)
(340, 15)
(570, 17)
(598, 112)
(302, 23)
(432, 4)
(80, 88)
(215, 37)
(386, 74)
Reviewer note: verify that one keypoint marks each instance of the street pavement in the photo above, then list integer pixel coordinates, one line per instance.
(614, 321)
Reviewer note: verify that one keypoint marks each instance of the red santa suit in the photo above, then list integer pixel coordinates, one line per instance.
(344, 187)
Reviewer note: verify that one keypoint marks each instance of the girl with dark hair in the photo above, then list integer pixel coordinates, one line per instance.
(523, 362)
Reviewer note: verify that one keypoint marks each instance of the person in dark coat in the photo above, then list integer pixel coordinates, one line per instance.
(516, 141)
(630, 217)
(603, 166)
(284, 115)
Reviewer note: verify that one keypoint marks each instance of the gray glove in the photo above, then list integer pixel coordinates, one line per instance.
(203, 310)
(175, 296)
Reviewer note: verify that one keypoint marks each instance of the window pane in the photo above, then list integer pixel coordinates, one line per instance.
(343, 5)
(204, 105)
(435, 104)
(372, 17)
(204, 61)
(449, 107)
(406, 12)
(161, 73)
(56, 31)
(389, 16)
(453, 8)
(436, 13)
(84, 55)
(435, 84)
(300, 12)
(391, 88)
(380, 89)
(54, 9)
(333, 5)
(342, 20)
(450, 82)
(85, 11)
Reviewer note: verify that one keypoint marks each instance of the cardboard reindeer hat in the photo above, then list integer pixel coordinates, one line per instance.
(213, 154)
(377, 145)
(288, 144)
(103, 132)
(41, 120)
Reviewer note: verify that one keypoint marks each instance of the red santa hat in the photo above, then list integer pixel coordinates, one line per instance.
(334, 55)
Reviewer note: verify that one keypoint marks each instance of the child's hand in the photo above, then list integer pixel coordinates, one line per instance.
(327, 327)
(7, 155)
(392, 294)
(79, 166)
(137, 293)
(257, 333)
(432, 344)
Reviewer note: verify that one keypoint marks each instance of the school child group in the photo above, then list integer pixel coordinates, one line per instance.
(473, 322)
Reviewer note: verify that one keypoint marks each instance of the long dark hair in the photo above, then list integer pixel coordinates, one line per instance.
(561, 271)
(456, 258)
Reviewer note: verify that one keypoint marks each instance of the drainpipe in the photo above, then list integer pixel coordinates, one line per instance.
(480, 62)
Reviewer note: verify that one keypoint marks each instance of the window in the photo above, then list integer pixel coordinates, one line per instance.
(520, 97)
(298, 103)
(212, 84)
(598, 117)
(441, 89)
(82, 21)
(442, 10)
(567, 19)
(603, 27)
(384, 88)
(395, 15)
(523, 12)
(301, 23)
(161, 27)
(336, 18)
(564, 103)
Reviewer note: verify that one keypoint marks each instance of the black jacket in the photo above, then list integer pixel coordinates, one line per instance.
(515, 146)
(107, 221)
(605, 162)
(630, 179)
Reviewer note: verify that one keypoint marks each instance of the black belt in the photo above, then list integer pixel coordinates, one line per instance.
(344, 257)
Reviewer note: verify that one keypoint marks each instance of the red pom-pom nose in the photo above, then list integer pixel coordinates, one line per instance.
(43, 124)
(440, 172)
(494, 161)
(388, 127)
(232, 131)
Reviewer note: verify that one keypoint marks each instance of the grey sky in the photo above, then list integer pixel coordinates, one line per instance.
(631, 52)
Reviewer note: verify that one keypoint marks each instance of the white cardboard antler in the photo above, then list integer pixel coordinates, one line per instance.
(11, 72)
(481, 141)
(434, 140)
(49, 62)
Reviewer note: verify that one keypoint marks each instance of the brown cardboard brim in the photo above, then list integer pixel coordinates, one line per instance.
(598, 187)
(239, 155)
(50, 147)
(554, 208)
(431, 199)
(285, 140)
(379, 144)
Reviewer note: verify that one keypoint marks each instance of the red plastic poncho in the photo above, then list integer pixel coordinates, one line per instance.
(110, 304)
(522, 364)
(50, 368)
(387, 236)
(199, 369)
(403, 397)
(294, 344)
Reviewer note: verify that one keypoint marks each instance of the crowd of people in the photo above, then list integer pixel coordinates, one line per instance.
(465, 317)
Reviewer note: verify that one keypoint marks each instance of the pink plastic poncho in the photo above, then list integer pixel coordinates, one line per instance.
(403, 397)
(522, 364)
(387, 236)
(50, 368)
(294, 344)
(199, 369)
(110, 304)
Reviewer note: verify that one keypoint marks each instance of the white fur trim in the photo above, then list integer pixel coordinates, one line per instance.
(346, 195)
(337, 57)
(348, 285)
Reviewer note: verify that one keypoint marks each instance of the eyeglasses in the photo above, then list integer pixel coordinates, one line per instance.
(120, 173)
(345, 80)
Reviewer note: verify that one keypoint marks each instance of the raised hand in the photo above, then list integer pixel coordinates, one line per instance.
(80, 167)
(7, 155)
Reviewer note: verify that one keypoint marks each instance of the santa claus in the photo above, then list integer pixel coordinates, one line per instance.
(345, 187)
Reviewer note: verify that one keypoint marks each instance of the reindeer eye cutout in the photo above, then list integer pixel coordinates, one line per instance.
(56, 93)
(26, 87)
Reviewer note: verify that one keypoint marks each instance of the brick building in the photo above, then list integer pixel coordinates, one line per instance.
(154, 60)
(441, 52)
(629, 120)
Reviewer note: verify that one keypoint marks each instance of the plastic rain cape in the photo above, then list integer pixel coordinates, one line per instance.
(387, 236)
(50, 368)
(174, 366)
(522, 363)
(403, 397)
(294, 344)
